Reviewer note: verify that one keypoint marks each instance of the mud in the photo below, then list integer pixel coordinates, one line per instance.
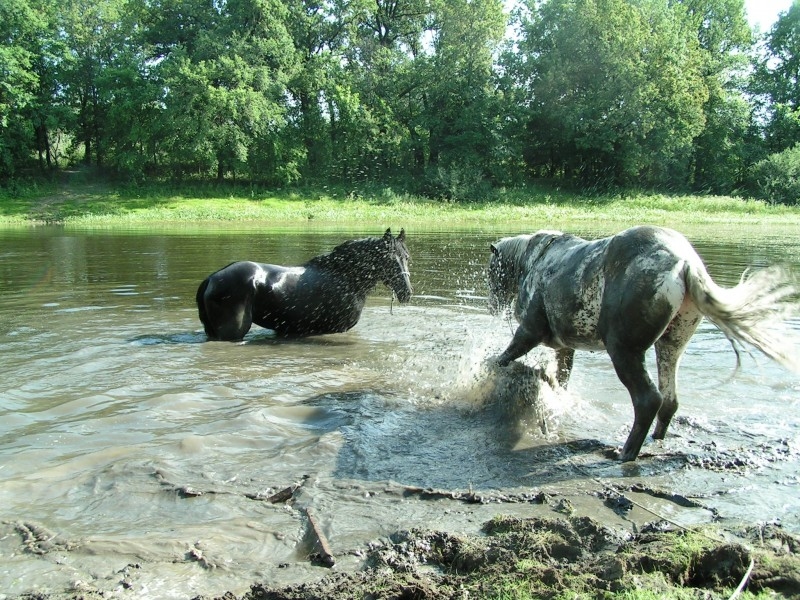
(560, 554)
(546, 557)
(592, 537)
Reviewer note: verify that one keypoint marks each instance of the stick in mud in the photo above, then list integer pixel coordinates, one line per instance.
(325, 555)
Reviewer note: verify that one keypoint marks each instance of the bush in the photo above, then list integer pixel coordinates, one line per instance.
(456, 183)
(776, 179)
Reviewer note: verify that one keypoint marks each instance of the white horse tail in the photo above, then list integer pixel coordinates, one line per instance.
(754, 311)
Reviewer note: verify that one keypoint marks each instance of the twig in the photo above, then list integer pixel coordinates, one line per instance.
(743, 582)
(325, 555)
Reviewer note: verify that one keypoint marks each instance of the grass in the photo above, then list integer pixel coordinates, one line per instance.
(657, 571)
(82, 204)
(574, 558)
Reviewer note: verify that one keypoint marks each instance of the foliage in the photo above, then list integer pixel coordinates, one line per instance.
(447, 98)
(777, 177)
(723, 149)
(776, 80)
(620, 110)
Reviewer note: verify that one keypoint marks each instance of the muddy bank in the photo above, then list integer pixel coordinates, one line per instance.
(538, 544)
(547, 557)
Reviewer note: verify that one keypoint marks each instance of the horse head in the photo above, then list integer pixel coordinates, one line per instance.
(395, 274)
(500, 275)
(506, 262)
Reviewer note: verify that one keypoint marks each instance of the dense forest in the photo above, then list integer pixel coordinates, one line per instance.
(447, 98)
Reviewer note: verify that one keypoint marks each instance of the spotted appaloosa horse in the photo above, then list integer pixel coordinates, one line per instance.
(623, 294)
(325, 295)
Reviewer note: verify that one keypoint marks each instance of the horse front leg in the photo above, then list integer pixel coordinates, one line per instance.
(523, 342)
(646, 399)
(564, 360)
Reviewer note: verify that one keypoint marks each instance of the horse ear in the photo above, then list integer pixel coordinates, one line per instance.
(388, 235)
(494, 249)
(402, 236)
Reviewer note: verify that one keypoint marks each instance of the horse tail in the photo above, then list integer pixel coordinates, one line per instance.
(753, 312)
(201, 307)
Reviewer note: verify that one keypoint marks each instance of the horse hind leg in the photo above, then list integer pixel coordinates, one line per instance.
(669, 350)
(233, 320)
(200, 298)
(646, 399)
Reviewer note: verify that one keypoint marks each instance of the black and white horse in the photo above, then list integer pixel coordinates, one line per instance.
(623, 294)
(325, 295)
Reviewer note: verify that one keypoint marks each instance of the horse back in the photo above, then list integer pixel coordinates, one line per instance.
(630, 284)
(249, 275)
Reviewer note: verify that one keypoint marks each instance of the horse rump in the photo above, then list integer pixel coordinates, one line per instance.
(201, 308)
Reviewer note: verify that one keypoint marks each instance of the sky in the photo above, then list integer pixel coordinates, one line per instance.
(764, 13)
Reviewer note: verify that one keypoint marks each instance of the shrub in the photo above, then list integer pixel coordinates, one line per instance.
(456, 182)
(776, 179)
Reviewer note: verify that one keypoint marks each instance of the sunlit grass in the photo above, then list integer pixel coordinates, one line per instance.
(89, 206)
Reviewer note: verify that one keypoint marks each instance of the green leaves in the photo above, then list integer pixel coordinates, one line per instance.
(442, 97)
(614, 88)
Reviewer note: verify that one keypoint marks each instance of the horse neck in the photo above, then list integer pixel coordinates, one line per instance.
(516, 254)
(352, 262)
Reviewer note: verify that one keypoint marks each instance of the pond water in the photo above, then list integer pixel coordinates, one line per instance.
(135, 454)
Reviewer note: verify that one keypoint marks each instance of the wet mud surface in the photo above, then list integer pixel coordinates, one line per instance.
(585, 531)
(546, 557)
(594, 540)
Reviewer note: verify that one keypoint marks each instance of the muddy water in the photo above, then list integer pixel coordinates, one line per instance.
(134, 455)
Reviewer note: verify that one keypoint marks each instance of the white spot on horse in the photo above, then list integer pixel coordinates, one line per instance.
(259, 276)
(670, 286)
(281, 280)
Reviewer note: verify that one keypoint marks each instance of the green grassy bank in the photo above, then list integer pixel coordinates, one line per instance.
(101, 206)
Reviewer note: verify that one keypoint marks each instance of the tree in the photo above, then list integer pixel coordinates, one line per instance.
(30, 54)
(223, 69)
(386, 42)
(777, 81)
(319, 30)
(614, 91)
(91, 30)
(721, 150)
(458, 95)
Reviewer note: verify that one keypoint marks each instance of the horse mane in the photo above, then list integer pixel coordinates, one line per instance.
(513, 250)
(345, 253)
(517, 249)
(514, 247)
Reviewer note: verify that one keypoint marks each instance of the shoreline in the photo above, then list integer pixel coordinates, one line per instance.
(565, 541)
(93, 206)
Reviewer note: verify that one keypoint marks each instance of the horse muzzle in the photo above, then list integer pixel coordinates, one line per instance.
(404, 290)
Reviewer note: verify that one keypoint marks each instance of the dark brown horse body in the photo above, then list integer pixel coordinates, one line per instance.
(325, 295)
